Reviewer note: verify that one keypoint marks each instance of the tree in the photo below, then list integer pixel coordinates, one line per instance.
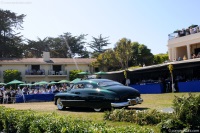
(36, 48)
(73, 74)
(10, 40)
(68, 46)
(141, 55)
(97, 44)
(145, 56)
(160, 58)
(123, 52)
(106, 61)
(74, 44)
(135, 54)
(170, 67)
(10, 75)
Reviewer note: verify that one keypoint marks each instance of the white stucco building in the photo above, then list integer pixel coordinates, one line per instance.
(46, 68)
(187, 45)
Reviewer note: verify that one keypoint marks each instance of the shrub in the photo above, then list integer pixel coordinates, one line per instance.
(10, 75)
(17, 121)
(186, 114)
(147, 117)
(73, 74)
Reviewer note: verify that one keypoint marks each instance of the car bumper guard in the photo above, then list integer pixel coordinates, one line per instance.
(130, 102)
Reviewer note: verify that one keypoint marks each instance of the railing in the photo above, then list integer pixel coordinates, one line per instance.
(34, 72)
(180, 33)
(53, 72)
(172, 36)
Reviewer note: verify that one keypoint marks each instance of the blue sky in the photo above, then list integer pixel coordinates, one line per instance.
(145, 21)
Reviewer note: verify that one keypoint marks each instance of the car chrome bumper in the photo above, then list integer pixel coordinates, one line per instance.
(130, 102)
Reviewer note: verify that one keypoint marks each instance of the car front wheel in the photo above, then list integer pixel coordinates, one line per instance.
(60, 104)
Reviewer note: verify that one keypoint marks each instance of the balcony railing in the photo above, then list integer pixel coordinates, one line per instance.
(34, 72)
(178, 34)
(53, 72)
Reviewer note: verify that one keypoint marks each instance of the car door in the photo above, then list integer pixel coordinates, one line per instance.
(77, 98)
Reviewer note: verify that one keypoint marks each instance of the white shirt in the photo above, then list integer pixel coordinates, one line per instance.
(127, 82)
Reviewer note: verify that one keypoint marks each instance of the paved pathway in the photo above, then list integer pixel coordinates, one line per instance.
(168, 110)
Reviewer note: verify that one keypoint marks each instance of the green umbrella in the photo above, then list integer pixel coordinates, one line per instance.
(41, 83)
(177, 31)
(2, 83)
(101, 73)
(53, 82)
(84, 73)
(29, 84)
(75, 80)
(193, 26)
(15, 82)
(64, 81)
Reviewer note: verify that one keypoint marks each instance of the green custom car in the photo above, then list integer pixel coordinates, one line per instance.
(98, 94)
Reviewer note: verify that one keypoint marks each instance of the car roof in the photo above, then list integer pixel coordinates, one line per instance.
(95, 80)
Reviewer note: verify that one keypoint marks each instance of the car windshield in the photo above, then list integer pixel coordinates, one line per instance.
(108, 83)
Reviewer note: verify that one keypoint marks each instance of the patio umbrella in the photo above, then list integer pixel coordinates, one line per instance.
(192, 26)
(53, 82)
(2, 83)
(101, 73)
(177, 31)
(75, 80)
(64, 81)
(15, 82)
(28, 84)
(41, 83)
(84, 73)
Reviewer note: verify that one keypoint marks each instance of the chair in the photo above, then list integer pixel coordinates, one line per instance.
(61, 72)
(52, 72)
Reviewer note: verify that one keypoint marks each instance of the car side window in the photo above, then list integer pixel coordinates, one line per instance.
(89, 86)
(78, 86)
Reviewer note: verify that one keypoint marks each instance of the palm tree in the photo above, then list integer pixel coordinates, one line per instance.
(170, 67)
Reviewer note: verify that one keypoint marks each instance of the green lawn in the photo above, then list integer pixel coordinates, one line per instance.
(160, 101)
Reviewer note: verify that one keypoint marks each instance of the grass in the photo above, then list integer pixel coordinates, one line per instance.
(159, 101)
(151, 101)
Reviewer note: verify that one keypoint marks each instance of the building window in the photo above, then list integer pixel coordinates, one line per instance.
(57, 69)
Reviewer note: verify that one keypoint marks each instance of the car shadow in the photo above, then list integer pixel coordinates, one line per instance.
(82, 109)
(137, 108)
(78, 109)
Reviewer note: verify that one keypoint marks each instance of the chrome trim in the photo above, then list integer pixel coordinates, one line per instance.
(73, 100)
(130, 102)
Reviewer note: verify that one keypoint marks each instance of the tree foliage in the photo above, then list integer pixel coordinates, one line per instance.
(145, 55)
(124, 55)
(36, 48)
(10, 75)
(123, 52)
(73, 74)
(10, 40)
(97, 44)
(160, 58)
(107, 61)
(63, 46)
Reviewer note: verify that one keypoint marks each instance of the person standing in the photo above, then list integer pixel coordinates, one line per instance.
(127, 82)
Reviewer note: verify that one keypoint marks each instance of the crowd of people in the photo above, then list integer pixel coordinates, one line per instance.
(8, 95)
(184, 32)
